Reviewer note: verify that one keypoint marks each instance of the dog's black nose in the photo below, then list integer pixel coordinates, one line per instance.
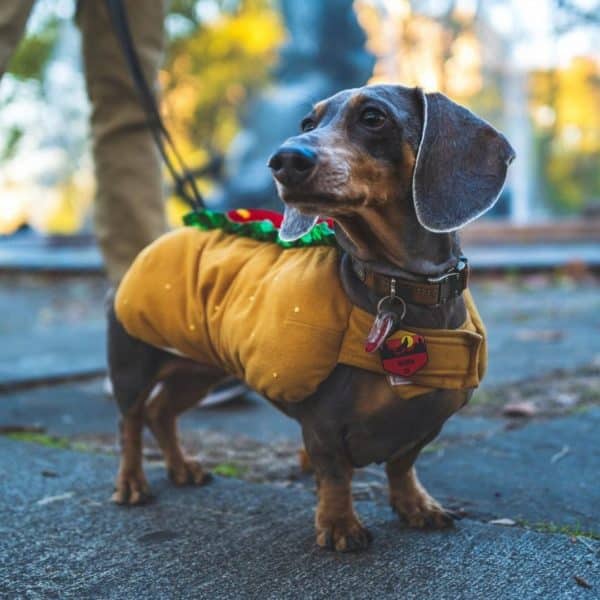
(292, 165)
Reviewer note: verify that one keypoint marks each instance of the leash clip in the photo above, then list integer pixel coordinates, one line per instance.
(390, 300)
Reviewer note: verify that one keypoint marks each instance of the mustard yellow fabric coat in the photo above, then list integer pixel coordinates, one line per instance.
(277, 318)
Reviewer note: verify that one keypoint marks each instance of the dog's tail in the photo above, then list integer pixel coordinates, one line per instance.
(132, 364)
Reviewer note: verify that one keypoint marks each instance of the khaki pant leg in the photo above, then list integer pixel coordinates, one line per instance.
(13, 18)
(129, 212)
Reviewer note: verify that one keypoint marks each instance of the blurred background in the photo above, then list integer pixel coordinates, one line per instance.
(239, 74)
(237, 78)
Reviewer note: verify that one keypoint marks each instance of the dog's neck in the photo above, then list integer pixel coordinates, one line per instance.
(390, 240)
(396, 245)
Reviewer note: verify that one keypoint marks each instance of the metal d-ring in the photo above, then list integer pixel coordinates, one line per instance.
(392, 299)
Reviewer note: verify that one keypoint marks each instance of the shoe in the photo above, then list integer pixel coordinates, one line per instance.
(223, 392)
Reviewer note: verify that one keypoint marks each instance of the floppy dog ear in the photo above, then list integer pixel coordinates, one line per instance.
(460, 167)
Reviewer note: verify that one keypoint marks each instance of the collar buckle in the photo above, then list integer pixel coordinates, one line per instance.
(452, 283)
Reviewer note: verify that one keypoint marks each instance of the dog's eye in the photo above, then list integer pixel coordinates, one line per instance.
(307, 124)
(372, 117)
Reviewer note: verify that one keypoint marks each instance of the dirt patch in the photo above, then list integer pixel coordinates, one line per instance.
(556, 394)
(276, 463)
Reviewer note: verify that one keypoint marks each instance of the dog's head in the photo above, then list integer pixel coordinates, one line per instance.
(389, 144)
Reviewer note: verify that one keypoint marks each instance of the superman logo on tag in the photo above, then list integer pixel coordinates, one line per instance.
(404, 353)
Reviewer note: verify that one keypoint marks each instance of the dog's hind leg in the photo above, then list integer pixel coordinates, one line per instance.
(179, 389)
(133, 366)
(131, 486)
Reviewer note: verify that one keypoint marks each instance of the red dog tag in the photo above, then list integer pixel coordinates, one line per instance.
(404, 354)
(382, 325)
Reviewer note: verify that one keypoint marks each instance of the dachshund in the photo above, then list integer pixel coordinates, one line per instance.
(398, 172)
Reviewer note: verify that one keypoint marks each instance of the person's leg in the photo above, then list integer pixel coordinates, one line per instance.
(13, 18)
(130, 209)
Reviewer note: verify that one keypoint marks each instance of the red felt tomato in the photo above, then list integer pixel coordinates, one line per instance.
(250, 215)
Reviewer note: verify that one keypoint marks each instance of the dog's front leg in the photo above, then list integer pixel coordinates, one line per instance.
(338, 527)
(410, 499)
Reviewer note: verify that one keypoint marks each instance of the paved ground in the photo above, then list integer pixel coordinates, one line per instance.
(250, 535)
(55, 326)
(62, 538)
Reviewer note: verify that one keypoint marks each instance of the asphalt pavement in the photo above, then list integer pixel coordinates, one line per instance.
(527, 488)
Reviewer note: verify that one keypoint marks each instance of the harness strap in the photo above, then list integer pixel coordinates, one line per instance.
(457, 358)
(185, 184)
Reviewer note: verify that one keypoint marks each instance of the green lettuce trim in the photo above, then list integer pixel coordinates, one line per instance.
(263, 231)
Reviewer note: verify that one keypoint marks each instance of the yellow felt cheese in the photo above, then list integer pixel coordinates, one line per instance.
(277, 318)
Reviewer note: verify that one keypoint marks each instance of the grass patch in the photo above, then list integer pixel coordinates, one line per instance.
(42, 439)
(480, 397)
(591, 396)
(432, 448)
(572, 530)
(49, 441)
(228, 470)
(581, 409)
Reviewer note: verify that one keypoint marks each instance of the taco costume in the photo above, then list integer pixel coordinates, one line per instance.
(275, 314)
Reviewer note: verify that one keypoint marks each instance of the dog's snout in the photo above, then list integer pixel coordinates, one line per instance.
(292, 165)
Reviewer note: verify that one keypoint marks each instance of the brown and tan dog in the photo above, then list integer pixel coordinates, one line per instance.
(399, 171)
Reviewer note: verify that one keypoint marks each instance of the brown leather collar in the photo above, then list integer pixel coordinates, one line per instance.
(431, 291)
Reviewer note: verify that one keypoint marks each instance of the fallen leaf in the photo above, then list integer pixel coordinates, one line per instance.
(561, 454)
(152, 454)
(91, 502)
(507, 522)
(539, 335)
(51, 499)
(6, 429)
(520, 409)
(582, 582)
(566, 400)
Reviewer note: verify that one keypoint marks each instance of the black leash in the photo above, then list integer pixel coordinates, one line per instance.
(185, 183)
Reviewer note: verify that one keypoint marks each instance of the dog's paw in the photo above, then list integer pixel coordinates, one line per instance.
(421, 511)
(344, 535)
(131, 488)
(188, 472)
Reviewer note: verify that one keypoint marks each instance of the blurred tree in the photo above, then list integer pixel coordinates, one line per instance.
(564, 105)
(212, 69)
(438, 50)
(571, 13)
(28, 63)
(219, 53)
(32, 54)
(449, 46)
